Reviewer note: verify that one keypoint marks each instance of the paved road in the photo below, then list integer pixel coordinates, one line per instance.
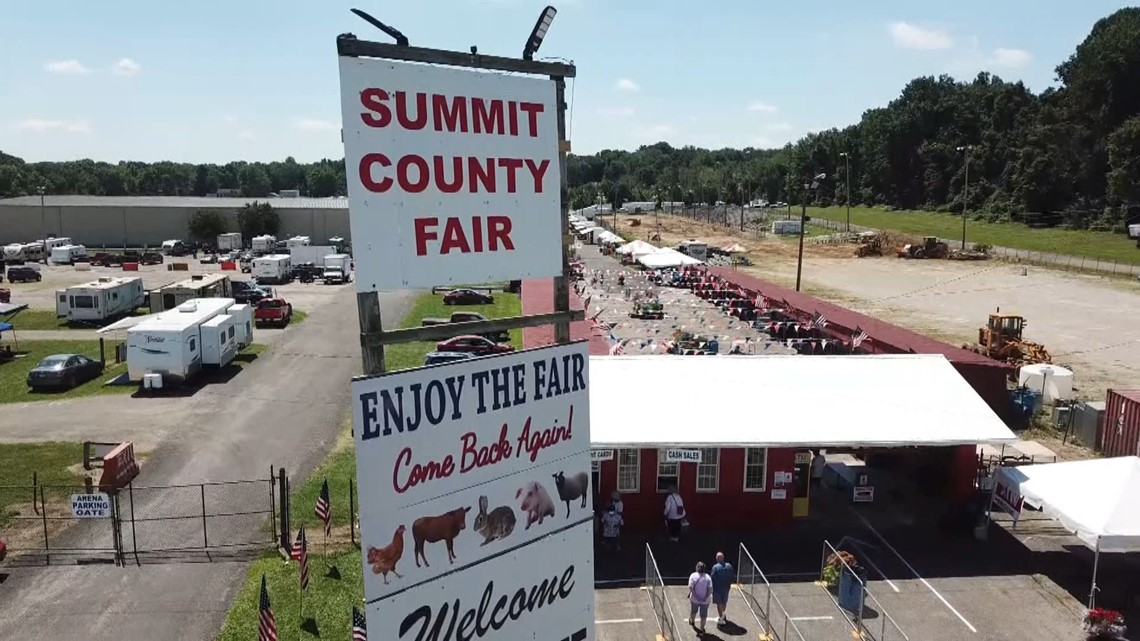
(284, 409)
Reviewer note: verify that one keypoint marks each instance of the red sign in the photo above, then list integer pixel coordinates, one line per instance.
(1006, 495)
(119, 468)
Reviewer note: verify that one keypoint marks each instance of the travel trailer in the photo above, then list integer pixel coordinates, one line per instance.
(20, 253)
(298, 241)
(102, 299)
(197, 286)
(68, 254)
(229, 242)
(54, 241)
(170, 347)
(264, 244)
(273, 269)
(314, 254)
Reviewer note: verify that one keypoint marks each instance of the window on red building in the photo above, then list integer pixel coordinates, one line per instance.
(629, 470)
(755, 468)
(668, 474)
(708, 470)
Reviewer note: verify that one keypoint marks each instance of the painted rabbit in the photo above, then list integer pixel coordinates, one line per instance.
(497, 525)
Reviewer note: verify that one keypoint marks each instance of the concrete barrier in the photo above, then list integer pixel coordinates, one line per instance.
(229, 266)
(130, 267)
(178, 267)
(82, 267)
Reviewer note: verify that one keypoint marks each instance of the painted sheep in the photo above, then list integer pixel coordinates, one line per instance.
(572, 488)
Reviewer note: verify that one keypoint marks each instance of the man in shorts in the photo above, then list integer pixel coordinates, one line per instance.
(721, 585)
(700, 594)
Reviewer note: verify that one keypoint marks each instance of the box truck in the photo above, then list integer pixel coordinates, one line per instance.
(68, 254)
(103, 299)
(273, 269)
(314, 254)
(264, 244)
(170, 347)
(229, 242)
(338, 269)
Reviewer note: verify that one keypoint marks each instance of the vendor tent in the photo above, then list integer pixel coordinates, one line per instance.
(7, 327)
(636, 247)
(1095, 499)
(609, 238)
(666, 258)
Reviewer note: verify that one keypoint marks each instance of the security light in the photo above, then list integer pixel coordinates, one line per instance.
(539, 32)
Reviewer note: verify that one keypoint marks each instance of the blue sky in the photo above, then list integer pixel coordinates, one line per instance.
(212, 81)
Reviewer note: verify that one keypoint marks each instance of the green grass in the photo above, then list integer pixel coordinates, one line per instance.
(1089, 244)
(13, 374)
(45, 319)
(299, 316)
(49, 461)
(406, 355)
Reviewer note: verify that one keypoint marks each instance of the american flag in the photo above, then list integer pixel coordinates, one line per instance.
(858, 338)
(618, 348)
(266, 624)
(359, 626)
(586, 303)
(323, 510)
(300, 552)
(819, 320)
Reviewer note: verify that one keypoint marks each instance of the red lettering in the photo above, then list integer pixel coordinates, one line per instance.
(477, 232)
(402, 111)
(454, 118)
(532, 110)
(454, 238)
(512, 165)
(456, 169)
(513, 118)
(374, 101)
(481, 174)
(499, 231)
(487, 120)
(475, 456)
(416, 473)
(425, 231)
(533, 443)
(422, 179)
(366, 162)
(537, 172)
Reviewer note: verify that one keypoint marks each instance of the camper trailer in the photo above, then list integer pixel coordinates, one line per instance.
(786, 227)
(20, 253)
(197, 286)
(298, 241)
(264, 244)
(229, 242)
(102, 299)
(694, 249)
(170, 347)
(54, 241)
(68, 254)
(273, 269)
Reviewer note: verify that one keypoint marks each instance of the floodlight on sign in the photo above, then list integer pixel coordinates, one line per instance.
(395, 33)
(539, 32)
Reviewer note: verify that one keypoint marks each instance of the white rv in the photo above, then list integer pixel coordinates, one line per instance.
(273, 269)
(197, 286)
(51, 243)
(264, 244)
(20, 253)
(170, 347)
(338, 269)
(229, 242)
(101, 299)
(68, 254)
(298, 241)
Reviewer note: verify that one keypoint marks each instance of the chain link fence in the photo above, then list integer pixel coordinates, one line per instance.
(655, 585)
(37, 523)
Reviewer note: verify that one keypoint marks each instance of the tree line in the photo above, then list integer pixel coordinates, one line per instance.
(1068, 155)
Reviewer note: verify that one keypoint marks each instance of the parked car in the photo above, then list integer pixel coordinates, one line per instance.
(468, 317)
(208, 259)
(467, 297)
(20, 274)
(63, 372)
(476, 345)
(273, 311)
(436, 358)
(150, 258)
(249, 292)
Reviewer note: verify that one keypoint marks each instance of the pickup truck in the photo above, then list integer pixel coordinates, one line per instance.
(468, 317)
(273, 311)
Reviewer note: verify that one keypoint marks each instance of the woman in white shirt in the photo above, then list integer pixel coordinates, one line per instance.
(674, 513)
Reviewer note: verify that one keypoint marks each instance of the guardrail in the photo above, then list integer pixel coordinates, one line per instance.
(758, 595)
(656, 588)
(887, 625)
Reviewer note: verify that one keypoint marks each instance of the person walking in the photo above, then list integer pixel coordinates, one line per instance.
(722, 575)
(818, 464)
(674, 513)
(611, 527)
(700, 594)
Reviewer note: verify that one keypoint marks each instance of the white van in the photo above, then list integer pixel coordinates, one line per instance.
(68, 254)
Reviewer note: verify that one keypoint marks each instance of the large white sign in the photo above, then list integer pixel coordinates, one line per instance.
(682, 456)
(91, 506)
(453, 174)
(1007, 495)
(475, 505)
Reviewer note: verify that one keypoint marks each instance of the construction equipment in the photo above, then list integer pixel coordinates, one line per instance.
(648, 310)
(959, 254)
(870, 244)
(1001, 339)
(689, 343)
(931, 247)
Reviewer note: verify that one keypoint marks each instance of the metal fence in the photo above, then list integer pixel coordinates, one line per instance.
(758, 596)
(887, 629)
(655, 585)
(37, 522)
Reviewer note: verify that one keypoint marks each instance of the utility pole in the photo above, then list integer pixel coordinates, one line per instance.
(847, 174)
(809, 183)
(965, 149)
(43, 212)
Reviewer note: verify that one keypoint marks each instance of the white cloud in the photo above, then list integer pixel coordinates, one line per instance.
(616, 112)
(42, 125)
(316, 124)
(909, 36)
(762, 107)
(625, 85)
(1011, 58)
(655, 133)
(246, 135)
(778, 126)
(66, 67)
(126, 67)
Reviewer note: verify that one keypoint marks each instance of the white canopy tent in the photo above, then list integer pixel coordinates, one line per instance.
(666, 258)
(608, 237)
(636, 247)
(1097, 500)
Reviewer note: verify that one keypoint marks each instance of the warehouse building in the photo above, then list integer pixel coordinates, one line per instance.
(136, 221)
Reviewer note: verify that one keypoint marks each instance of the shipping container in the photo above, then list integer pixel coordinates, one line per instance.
(1120, 435)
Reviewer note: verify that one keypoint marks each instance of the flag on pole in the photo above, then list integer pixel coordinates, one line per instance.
(819, 320)
(859, 337)
(618, 348)
(323, 509)
(586, 304)
(359, 626)
(266, 624)
(300, 552)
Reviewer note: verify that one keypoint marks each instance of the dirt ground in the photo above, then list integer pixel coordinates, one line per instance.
(1088, 323)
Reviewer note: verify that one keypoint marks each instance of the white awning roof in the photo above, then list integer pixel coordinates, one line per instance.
(786, 401)
(636, 247)
(124, 324)
(666, 258)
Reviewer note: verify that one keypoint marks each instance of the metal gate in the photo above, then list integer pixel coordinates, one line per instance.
(38, 526)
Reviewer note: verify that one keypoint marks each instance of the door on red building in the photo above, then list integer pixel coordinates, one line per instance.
(596, 483)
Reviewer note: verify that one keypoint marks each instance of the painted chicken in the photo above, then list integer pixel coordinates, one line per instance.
(383, 560)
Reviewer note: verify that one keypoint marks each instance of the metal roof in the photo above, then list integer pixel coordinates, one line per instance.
(187, 202)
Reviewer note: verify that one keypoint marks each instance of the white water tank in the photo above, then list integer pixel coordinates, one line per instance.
(1053, 381)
